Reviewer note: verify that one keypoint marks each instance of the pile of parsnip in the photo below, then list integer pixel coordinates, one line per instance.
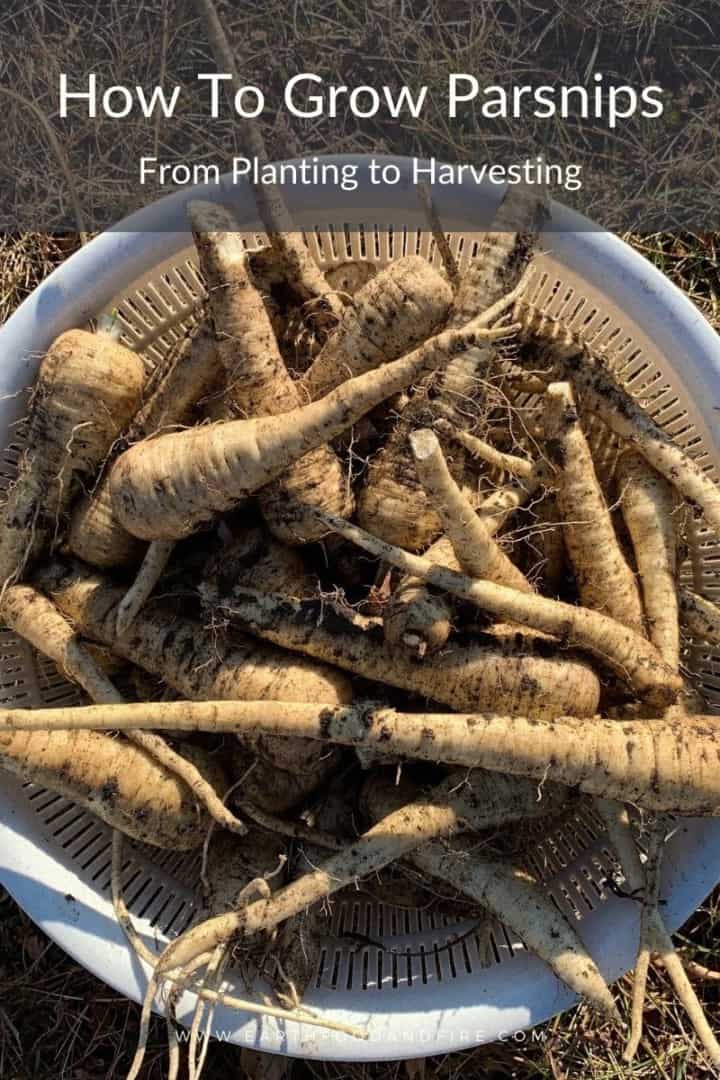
(342, 575)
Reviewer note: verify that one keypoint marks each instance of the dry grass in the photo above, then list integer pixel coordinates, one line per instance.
(58, 1021)
(25, 261)
(654, 173)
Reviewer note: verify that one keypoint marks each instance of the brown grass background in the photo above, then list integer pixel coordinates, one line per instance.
(647, 174)
(57, 1021)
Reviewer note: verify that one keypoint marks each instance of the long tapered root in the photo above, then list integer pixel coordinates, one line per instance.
(648, 917)
(701, 616)
(615, 816)
(95, 534)
(605, 581)
(601, 394)
(117, 781)
(658, 764)
(475, 550)
(154, 563)
(258, 382)
(393, 313)
(509, 895)
(520, 902)
(637, 1005)
(647, 504)
(485, 451)
(201, 787)
(36, 619)
(87, 389)
(180, 651)
(529, 676)
(396, 834)
(418, 619)
(506, 893)
(166, 488)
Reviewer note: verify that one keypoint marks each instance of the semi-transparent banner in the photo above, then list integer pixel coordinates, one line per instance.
(612, 104)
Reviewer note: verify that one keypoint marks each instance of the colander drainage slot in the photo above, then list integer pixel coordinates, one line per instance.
(73, 837)
(71, 816)
(179, 920)
(147, 904)
(93, 850)
(144, 883)
(101, 871)
(67, 817)
(49, 796)
(157, 917)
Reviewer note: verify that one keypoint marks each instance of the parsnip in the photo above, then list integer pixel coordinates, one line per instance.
(605, 581)
(658, 764)
(35, 618)
(648, 507)
(95, 534)
(601, 394)
(478, 554)
(418, 619)
(529, 677)
(151, 570)
(176, 648)
(647, 502)
(87, 389)
(479, 448)
(390, 315)
(391, 503)
(196, 664)
(166, 488)
(507, 892)
(522, 902)
(258, 383)
(119, 782)
(700, 615)
(396, 834)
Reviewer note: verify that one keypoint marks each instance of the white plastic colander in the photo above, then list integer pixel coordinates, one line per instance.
(55, 858)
